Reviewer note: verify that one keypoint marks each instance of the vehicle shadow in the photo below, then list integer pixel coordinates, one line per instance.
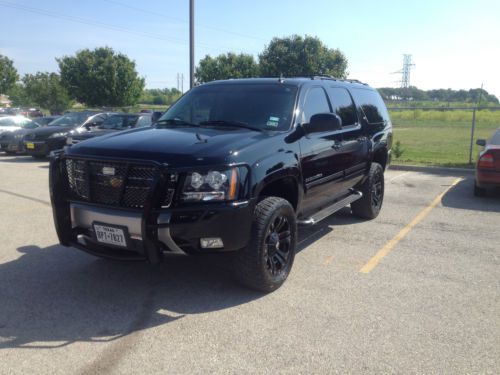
(55, 296)
(461, 196)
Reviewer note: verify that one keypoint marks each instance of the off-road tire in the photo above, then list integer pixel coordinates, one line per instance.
(368, 207)
(252, 264)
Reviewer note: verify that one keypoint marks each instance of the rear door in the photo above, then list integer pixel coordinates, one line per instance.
(355, 150)
(320, 162)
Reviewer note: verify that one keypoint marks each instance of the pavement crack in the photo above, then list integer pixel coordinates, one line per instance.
(41, 201)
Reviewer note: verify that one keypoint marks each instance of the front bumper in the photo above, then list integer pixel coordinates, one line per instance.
(44, 148)
(153, 230)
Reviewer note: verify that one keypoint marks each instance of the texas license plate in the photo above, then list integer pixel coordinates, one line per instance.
(111, 234)
(30, 146)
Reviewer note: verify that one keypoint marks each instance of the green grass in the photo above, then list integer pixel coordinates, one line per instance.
(440, 142)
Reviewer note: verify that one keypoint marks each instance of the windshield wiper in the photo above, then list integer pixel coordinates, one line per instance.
(174, 121)
(229, 123)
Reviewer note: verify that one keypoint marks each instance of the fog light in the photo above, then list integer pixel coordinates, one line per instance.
(211, 243)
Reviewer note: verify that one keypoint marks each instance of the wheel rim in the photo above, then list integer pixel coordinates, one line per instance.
(377, 190)
(278, 243)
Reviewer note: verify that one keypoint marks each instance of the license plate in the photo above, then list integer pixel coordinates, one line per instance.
(30, 146)
(111, 234)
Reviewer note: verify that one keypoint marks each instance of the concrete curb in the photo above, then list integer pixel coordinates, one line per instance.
(436, 170)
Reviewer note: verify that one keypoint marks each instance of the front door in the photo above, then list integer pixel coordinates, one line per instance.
(320, 163)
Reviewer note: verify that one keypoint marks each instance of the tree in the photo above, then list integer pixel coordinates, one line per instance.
(226, 66)
(297, 56)
(101, 77)
(17, 95)
(46, 91)
(8, 74)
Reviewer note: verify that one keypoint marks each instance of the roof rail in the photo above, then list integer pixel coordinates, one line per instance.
(355, 81)
(324, 77)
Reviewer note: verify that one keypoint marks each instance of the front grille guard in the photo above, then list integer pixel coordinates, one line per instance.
(59, 192)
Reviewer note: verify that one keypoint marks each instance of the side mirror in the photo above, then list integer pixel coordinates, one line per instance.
(481, 142)
(323, 122)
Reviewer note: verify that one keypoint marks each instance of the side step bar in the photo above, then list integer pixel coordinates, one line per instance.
(327, 211)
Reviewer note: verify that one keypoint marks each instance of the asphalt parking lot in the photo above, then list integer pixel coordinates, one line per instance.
(415, 291)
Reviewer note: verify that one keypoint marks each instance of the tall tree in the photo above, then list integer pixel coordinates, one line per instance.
(101, 77)
(45, 90)
(8, 74)
(226, 66)
(298, 56)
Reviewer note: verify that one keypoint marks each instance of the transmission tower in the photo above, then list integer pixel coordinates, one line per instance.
(405, 72)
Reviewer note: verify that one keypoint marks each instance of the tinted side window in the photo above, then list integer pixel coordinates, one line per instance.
(372, 105)
(315, 102)
(342, 105)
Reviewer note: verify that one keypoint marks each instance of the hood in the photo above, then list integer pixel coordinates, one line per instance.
(93, 133)
(177, 147)
(9, 129)
(45, 131)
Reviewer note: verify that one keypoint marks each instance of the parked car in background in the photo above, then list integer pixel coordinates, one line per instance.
(31, 112)
(43, 121)
(488, 165)
(13, 123)
(40, 142)
(12, 129)
(112, 124)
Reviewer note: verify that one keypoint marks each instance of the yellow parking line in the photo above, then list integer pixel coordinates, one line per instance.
(389, 246)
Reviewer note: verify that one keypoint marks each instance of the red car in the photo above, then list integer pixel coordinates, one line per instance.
(488, 165)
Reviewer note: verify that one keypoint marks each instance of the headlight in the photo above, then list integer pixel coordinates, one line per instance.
(211, 186)
(69, 141)
(57, 135)
(18, 136)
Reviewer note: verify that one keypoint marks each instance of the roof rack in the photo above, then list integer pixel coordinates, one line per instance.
(355, 81)
(324, 77)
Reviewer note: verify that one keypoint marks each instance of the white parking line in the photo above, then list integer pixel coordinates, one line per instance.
(399, 175)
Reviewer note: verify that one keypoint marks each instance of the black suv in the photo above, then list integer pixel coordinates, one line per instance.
(233, 166)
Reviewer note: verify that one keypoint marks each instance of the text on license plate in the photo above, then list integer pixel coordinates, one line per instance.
(30, 145)
(110, 235)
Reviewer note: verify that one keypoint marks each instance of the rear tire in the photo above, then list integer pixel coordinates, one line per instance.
(479, 191)
(265, 263)
(368, 207)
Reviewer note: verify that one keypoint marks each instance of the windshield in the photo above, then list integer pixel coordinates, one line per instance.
(119, 122)
(259, 106)
(71, 119)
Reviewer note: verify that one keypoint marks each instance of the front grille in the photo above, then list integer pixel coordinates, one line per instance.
(112, 183)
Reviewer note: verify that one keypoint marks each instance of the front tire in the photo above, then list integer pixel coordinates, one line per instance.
(265, 263)
(368, 207)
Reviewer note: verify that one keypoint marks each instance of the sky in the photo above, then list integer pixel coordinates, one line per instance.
(454, 44)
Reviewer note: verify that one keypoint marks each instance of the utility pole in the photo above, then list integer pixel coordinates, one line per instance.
(473, 127)
(191, 44)
(182, 83)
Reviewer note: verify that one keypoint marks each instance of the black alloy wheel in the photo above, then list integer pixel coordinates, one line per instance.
(278, 241)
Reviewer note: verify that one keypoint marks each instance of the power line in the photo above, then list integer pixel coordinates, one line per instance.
(86, 21)
(182, 20)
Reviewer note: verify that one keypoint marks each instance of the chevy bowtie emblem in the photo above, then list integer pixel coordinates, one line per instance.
(116, 182)
(108, 171)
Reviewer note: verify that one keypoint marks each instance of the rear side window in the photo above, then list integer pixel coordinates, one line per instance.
(316, 102)
(372, 105)
(342, 105)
